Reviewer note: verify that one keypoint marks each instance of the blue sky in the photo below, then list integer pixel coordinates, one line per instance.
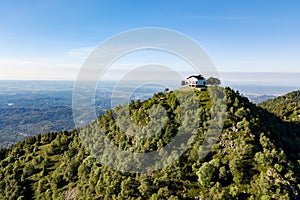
(51, 39)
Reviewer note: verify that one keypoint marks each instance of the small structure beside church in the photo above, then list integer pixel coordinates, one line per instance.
(195, 81)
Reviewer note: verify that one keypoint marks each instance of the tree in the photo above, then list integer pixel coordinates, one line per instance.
(28, 170)
(206, 175)
(213, 81)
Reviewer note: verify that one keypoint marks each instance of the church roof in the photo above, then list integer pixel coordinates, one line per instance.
(199, 77)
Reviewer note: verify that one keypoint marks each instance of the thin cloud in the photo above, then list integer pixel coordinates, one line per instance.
(36, 69)
(80, 52)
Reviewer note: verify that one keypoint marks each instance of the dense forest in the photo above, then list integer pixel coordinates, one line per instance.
(257, 156)
(286, 107)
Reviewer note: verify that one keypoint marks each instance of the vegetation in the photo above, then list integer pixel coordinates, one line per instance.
(213, 81)
(256, 157)
(286, 107)
(183, 83)
(39, 107)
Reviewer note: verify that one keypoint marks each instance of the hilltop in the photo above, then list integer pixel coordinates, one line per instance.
(256, 157)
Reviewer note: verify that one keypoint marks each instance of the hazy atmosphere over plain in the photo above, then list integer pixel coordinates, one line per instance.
(51, 39)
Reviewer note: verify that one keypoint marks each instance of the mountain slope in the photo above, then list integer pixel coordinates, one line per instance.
(286, 107)
(256, 157)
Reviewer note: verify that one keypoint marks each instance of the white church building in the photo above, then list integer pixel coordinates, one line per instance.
(195, 81)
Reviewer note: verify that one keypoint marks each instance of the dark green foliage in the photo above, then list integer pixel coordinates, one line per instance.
(286, 107)
(256, 157)
(213, 81)
(183, 82)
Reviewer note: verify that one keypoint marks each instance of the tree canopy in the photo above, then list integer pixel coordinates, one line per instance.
(213, 81)
(256, 157)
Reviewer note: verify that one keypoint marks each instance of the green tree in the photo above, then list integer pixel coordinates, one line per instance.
(206, 175)
(213, 81)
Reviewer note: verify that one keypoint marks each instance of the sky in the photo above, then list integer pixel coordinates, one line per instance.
(51, 39)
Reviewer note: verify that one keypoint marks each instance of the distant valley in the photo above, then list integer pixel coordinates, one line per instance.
(28, 108)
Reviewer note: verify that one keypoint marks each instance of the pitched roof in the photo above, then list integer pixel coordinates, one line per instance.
(199, 77)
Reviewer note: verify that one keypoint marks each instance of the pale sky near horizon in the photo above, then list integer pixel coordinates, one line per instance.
(51, 39)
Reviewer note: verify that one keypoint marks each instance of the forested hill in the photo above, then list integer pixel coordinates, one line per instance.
(286, 107)
(256, 157)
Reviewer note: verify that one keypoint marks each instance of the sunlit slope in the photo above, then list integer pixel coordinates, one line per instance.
(255, 157)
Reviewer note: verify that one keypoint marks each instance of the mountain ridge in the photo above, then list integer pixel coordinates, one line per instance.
(256, 157)
(287, 107)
